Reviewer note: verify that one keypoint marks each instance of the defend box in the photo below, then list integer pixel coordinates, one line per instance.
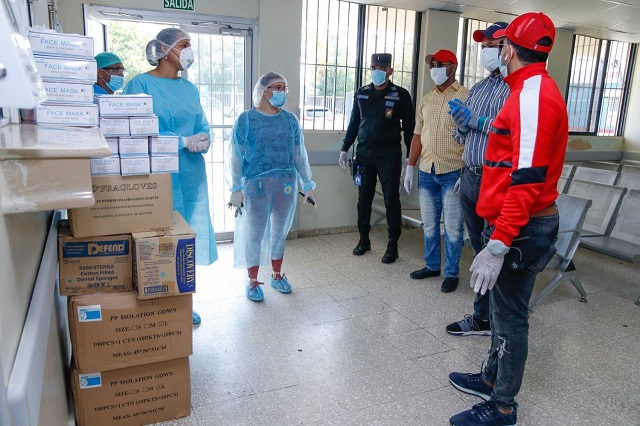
(163, 145)
(125, 105)
(52, 43)
(61, 91)
(133, 147)
(94, 264)
(66, 69)
(107, 166)
(143, 126)
(165, 164)
(116, 330)
(68, 115)
(131, 166)
(133, 396)
(125, 204)
(164, 263)
(114, 126)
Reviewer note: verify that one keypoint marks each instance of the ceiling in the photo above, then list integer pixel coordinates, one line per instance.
(607, 19)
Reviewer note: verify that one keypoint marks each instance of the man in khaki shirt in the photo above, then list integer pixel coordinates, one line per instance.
(440, 168)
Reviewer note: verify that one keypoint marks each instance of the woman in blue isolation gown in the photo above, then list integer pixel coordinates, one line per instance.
(176, 102)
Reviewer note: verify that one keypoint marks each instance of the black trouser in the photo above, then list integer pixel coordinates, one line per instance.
(388, 170)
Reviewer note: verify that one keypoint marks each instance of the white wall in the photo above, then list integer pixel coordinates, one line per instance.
(560, 59)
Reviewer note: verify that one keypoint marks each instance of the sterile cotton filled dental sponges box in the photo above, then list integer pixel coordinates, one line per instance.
(164, 263)
(108, 166)
(58, 44)
(114, 126)
(142, 395)
(66, 69)
(116, 330)
(163, 145)
(143, 126)
(94, 264)
(125, 105)
(62, 91)
(68, 115)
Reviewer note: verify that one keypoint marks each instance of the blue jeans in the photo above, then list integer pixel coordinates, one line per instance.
(436, 193)
(469, 192)
(529, 253)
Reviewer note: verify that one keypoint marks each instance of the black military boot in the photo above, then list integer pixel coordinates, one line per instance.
(364, 245)
(391, 254)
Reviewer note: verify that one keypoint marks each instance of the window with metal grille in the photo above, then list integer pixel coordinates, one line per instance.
(338, 39)
(598, 87)
(470, 69)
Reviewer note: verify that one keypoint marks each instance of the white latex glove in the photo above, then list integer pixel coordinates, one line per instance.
(456, 187)
(342, 162)
(404, 168)
(486, 266)
(408, 179)
(310, 196)
(237, 199)
(197, 143)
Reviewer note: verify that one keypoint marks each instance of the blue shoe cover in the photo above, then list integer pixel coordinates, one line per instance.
(195, 318)
(254, 294)
(282, 285)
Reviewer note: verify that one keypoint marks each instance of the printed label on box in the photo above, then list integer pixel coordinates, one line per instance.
(90, 380)
(67, 69)
(58, 91)
(52, 43)
(89, 313)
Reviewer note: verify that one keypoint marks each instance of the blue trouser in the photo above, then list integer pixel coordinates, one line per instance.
(436, 194)
(529, 253)
(469, 192)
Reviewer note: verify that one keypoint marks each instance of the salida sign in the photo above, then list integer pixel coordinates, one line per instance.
(179, 4)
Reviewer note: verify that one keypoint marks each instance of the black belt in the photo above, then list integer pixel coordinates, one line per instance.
(477, 170)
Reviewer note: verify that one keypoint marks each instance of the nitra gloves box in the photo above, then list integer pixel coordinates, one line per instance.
(131, 396)
(125, 204)
(94, 264)
(164, 263)
(116, 330)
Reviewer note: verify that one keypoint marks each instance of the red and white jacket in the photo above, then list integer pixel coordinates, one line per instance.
(525, 153)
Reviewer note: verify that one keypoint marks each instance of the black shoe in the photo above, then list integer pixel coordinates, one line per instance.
(449, 284)
(424, 273)
(389, 256)
(362, 248)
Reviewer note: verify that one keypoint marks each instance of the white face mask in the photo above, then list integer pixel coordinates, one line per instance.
(503, 66)
(186, 58)
(490, 59)
(439, 75)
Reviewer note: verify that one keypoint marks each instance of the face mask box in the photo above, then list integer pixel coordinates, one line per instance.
(134, 166)
(94, 264)
(117, 330)
(133, 396)
(125, 105)
(107, 166)
(164, 263)
(165, 164)
(113, 145)
(163, 145)
(61, 91)
(134, 147)
(125, 204)
(68, 115)
(144, 126)
(110, 127)
(57, 44)
(66, 69)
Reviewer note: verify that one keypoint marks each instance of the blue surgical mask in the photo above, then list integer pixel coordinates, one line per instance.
(490, 58)
(115, 83)
(378, 77)
(278, 98)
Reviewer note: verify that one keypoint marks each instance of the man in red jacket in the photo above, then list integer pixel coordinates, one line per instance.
(522, 164)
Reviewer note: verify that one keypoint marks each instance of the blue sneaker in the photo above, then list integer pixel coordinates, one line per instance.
(485, 413)
(282, 285)
(195, 318)
(471, 383)
(254, 294)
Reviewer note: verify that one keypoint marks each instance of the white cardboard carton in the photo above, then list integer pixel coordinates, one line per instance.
(114, 126)
(68, 115)
(163, 145)
(52, 43)
(134, 147)
(105, 166)
(125, 105)
(130, 166)
(165, 164)
(51, 68)
(62, 91)
(143, 126)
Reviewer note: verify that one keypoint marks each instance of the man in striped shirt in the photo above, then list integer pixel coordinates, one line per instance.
(440, 167)
(474, 119)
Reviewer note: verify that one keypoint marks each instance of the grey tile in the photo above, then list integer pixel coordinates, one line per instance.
(435, 407)
(303, 403)
(365, 305)
(390, 322)
(240, 411)
(218, 382)
(417, 343)
(347, 330)
(353, 392)
(190, 420)
(274, 373)
(441, 364)
(391, 414)
(325, 312)
(345, 290)
(404, 379)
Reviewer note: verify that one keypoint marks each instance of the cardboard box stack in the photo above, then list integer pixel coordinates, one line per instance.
(65, 63)
(131, 130)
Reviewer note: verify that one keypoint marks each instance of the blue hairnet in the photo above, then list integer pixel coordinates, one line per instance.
(263, 82)
(163, 42)
(105, 59)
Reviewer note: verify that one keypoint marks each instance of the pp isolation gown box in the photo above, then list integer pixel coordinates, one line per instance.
(117, 330)
(125, 204)
(164, 262)
(133, 396)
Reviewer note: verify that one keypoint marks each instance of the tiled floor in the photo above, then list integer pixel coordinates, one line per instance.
(358, 342)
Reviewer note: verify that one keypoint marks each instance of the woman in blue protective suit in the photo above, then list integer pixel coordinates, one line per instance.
(176, 102)
(268, 158)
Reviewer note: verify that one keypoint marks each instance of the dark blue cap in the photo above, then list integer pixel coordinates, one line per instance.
(381, 60)
(478, 35)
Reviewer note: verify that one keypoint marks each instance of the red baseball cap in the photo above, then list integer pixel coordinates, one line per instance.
(444, 55)
(527, 30)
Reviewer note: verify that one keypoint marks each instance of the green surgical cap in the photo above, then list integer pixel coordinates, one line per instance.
(105, 59)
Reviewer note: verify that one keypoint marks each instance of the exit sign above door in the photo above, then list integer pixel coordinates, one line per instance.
(179, 4)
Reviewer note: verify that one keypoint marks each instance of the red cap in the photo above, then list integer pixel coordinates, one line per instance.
(527, 30)
(444, 55)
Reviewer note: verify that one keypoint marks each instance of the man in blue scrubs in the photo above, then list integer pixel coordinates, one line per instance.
(110, 74)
